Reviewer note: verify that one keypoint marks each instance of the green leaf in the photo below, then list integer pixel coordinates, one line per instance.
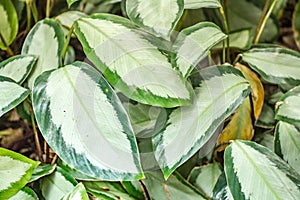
(241, 39)
(156, 16)
(15, 171)
(221, 190)
(77, 193)
(8, 24)
(193, 44)
(288, 109)
(68, 18)
(205, 177)
(87, 120)
(221, 90)
(255, 172)
(17, 67)
(133, 65)
(275, 64)
(12, 94)
(195, 4)
(287, 144)
(175, 188)
(41, 171)
(134, 188)
(25, 194)
(56, 185)
(296, 24)
(45, 40)
(266, 118)
(70, 2)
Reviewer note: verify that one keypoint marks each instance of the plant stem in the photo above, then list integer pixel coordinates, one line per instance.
(48, 8)
(226, 26)
(263, 19)
(8, 49)
(64, 51)
(36, 137)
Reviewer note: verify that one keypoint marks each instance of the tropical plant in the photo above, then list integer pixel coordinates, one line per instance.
(139, 99)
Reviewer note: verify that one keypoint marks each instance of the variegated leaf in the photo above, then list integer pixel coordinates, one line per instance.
(130, 62)
(41, 171)
(78, 193)
(68, 18)
(45, 40)
(12, 94)
(275, 64)
(15, 171)
(25, 194)
(186, 129)
(193, 44)
(221, 190)
(196, 4)
(156, 16)
(17, 67)
(9, 24)
(287, 109)
(241, 39)
(287, 144)
(85, 122)
(255, 172)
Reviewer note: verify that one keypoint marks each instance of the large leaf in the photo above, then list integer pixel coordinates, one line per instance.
(288, 109)
(275, 64)
(15, 171)
(296, 24)
(8, 24)
(77, 193)
(12, 94)
(255, 172)
(287, 144)
(195, 4)
(25, 194)
(86, 121)
(130, 62)
(156, 16)
(193, 44)
(186, 129)
(45, 40)
(17, 67)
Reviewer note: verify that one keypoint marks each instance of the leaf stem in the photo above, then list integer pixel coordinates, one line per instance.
(48, 8)
(267, 11)
(36, 136)
(66, 44)
(28, 11)
(226, 50)
(8, 49)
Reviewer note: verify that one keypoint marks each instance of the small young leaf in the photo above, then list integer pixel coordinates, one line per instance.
(156, 16)
(12, 94)
(221, 90)
(255, 172)
(17, 67)
(15, 171)
(86, 121)
(196, 4)
(287, 144)
(25, 194)
(77, 193)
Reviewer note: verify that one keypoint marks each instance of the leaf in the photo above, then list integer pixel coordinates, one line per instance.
(77, 193)
(255, 172)
(70, 2)
(15, 171)
(133, 65)
(41, 171)
(287, 144)
(45, 40)
(221, 190)
(25, 194)
(14, 94)
(241, 39)
(56, 185)
(134, 188)
(193, 44)
(186, 129)
(296, 24)
(266, 139)
(275, 64)
(68, 18)
(87, 120)
(205, 177)
(196, 4)
(175, 188)
(266, 118)
(288, 109)
(156, 16)
(9, 24)
(17, 67)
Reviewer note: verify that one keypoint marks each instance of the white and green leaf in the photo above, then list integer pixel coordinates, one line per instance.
(15, 172)
(68, 18)
(196, 4)
(86, 121)
(45, 40)
(25, 193)
(156, 16)
(255, 172)
(41, 171)
(287, 144)
(193, 44)
(275, 64)
(77, 193)
(12, 94)
(288, 109)
(17, 67)
(241, 39)
(186, 129)
(130, 62)
(205, 177)
(9, 24)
